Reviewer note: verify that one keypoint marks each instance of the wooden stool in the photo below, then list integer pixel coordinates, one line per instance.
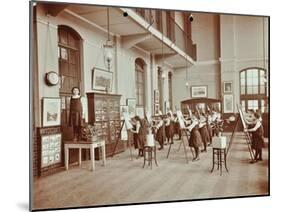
(148, 156)
(220, 160)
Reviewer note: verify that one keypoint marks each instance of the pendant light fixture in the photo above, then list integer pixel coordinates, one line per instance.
(108, 46)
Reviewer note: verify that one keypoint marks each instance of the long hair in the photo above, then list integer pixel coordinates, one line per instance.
(138, 119)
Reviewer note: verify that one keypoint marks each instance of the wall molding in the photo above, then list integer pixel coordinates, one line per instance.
(225, 60)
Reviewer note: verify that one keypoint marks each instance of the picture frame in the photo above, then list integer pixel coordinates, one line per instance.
(199, 91)
(167, 106)
(156, 96)
(102, 80)
(156, 108)
(51, 149)
(51, 115)
(228, 103)
(227, 87)
(131, 103)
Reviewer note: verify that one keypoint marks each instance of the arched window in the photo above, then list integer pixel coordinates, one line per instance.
(69, 59)
(140, 82)
(253, 89)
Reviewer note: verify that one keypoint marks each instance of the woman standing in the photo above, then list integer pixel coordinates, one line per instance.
(257, 138)
(203, 131)
(195, 139)
(209, 127)
(75, 117)
(169, 131)
(160, 132)
(138, 135)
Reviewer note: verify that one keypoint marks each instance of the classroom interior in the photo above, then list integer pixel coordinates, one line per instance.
(177, 72)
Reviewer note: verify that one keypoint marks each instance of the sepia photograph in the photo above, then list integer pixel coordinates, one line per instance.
(199, 91)
(139, 105)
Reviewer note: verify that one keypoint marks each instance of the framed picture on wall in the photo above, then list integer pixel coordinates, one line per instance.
(51, 111)
(156, 96)
(199, 91)
(156, 109)
(167, 106)
(228, 103)
(102, 80)
(227, 87)
(131, 103)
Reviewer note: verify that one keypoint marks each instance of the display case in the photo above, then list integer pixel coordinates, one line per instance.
(202, 103)
(104, 113)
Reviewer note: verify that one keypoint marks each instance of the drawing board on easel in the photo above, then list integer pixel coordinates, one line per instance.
(242, 117)
(180, 119)
(127, 121)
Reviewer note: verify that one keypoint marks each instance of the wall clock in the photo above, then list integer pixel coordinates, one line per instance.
(52, 78)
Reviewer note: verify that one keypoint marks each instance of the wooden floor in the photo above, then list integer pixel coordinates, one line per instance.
(125, 181)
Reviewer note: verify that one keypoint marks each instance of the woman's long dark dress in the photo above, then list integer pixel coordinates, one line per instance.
(75, 117)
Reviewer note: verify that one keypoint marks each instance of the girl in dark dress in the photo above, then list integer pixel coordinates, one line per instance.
(139, 134)
(169, 130)
(203, 131)
(75, 115)
(160, 133)
(195, 139)
(209, 127)
(257, 138)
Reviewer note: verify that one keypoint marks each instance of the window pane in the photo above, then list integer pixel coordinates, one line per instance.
(255, 73)
(243, 81)
(255, 90)
(249, 73)
(255, 81)
(262, 89)
(243, 89)
(250, 90)
(249, 81)
(262, 77)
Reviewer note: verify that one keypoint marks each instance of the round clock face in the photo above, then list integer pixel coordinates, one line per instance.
(52, 78)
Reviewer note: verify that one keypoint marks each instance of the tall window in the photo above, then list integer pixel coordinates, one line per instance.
(140, 82)
(253, 89)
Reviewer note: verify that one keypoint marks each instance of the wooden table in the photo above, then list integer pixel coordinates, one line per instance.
(84, 145)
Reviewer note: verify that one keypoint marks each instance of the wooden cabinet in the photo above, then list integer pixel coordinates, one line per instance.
(104, 112)
(214, 104)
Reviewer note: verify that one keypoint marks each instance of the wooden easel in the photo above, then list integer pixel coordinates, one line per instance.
(246, 134)
(183, 132)
(118, 137)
